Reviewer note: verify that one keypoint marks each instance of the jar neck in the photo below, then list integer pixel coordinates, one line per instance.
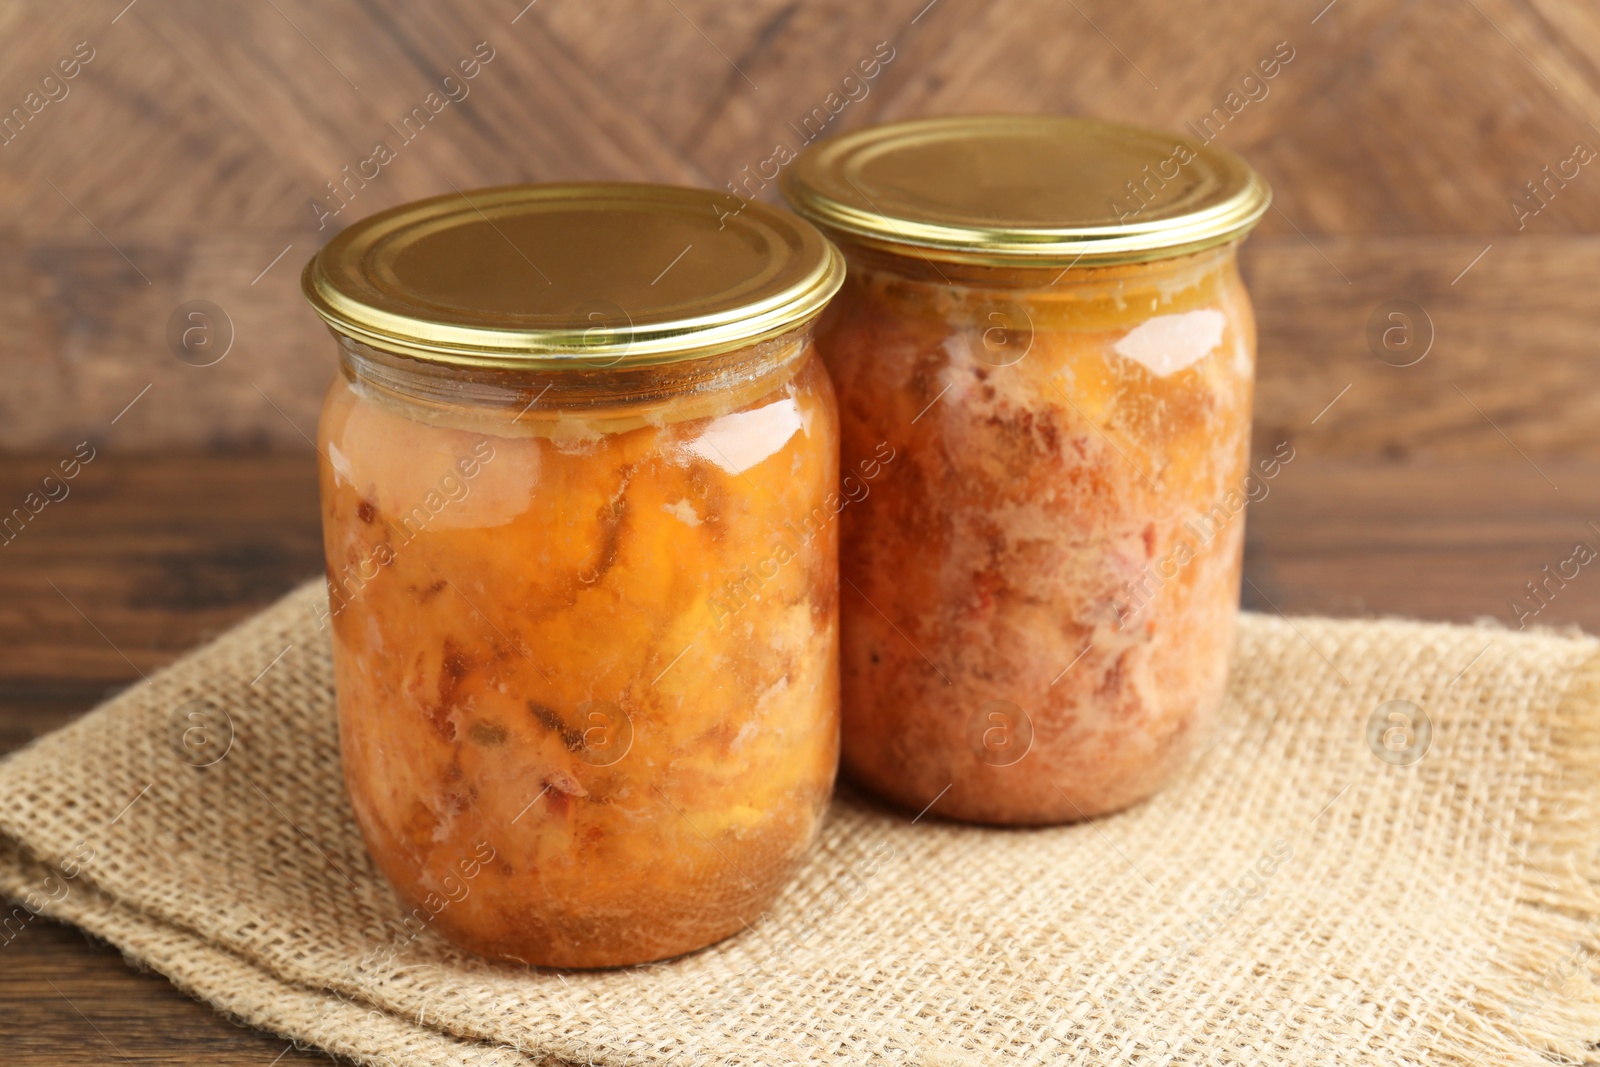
(1003, 302)
(910, 265)
(663, 392)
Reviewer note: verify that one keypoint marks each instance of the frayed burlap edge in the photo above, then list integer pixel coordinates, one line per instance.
(1549, 991)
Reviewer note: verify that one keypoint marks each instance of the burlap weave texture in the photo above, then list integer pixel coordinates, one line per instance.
(1292, 898)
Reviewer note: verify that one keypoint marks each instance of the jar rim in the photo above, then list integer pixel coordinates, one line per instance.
(1026, 190)
(554, 275)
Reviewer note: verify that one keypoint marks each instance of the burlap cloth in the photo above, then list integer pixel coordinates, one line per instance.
(1292, 898)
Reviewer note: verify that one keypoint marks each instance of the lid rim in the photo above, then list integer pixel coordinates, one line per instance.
(663, 350)
(813, 189)
(351, 303)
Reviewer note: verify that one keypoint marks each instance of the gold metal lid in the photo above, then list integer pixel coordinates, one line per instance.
(546, 275)
(1026, 190)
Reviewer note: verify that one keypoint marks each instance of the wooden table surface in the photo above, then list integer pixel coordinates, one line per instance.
(1411, 147)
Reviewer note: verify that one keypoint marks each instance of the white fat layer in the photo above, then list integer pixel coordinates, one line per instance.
(683, 511)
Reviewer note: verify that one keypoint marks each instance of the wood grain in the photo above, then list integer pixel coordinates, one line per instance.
(184, 160)
(1511, 364)
(71, 999)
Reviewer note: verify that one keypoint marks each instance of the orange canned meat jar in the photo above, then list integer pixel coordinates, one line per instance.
(1044, 323)
(584, 615)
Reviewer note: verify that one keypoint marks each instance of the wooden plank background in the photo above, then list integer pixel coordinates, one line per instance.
(182, 159)
(186, 154)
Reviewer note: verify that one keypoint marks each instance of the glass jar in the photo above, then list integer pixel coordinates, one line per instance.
(1044, 323)
(583, 605)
